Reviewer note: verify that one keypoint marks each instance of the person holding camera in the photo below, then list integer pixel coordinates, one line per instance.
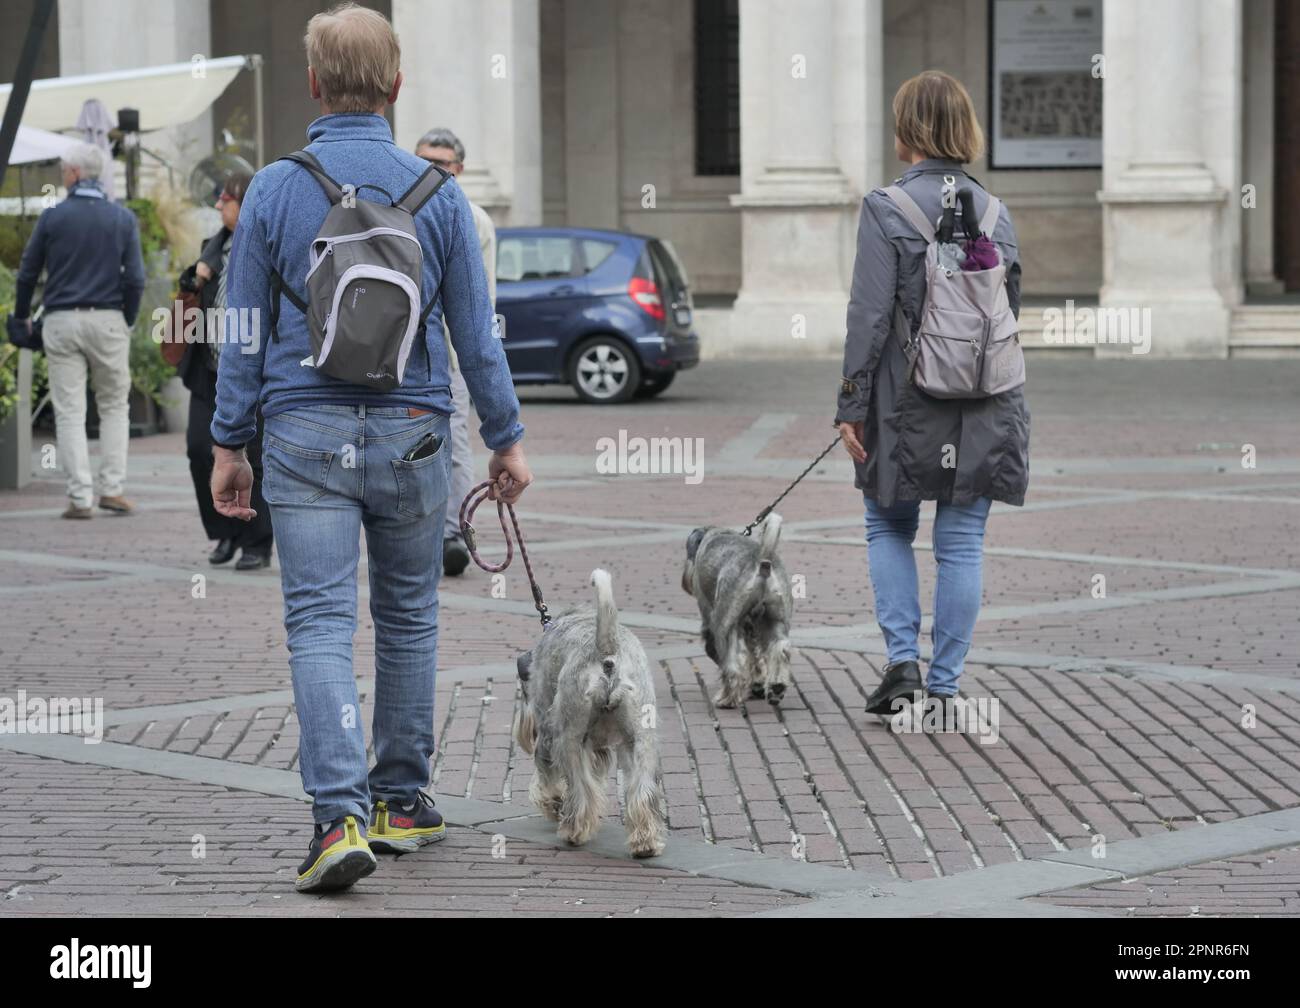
(205, 283)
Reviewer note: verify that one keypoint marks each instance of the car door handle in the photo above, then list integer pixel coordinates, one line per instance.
(563, 290)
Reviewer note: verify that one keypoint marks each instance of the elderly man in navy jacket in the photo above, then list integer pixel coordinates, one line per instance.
(89, 248)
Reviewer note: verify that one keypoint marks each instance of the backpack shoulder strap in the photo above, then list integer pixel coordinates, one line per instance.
(412, 200)
(332, 189)
(423, 189)
(911, 211)
(278, 287)
(990, 219)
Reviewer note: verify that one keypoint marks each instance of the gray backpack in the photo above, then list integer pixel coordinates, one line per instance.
(968, 344)
(364, 272)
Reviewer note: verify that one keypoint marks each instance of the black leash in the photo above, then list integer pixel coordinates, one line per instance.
(749, 529)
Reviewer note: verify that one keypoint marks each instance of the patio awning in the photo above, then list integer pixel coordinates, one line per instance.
(32, 145)
(165, 95)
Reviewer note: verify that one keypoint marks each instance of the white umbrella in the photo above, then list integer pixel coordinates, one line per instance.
(33, 145)
(165, 95)
(95, 123)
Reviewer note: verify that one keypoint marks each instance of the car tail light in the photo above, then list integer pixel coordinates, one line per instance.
(646, 294)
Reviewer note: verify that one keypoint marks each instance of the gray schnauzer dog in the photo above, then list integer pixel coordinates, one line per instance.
(745, 609)
(588, 693)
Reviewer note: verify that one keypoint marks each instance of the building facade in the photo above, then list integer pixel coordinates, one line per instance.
(747, 132)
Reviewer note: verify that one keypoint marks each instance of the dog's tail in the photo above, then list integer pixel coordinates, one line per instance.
(606, 617)
(767, 545)
(526, 731)
(688, 571)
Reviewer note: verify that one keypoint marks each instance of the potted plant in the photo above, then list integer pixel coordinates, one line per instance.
(149, 372)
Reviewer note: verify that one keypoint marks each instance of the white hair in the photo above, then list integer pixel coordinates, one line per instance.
(86, 158)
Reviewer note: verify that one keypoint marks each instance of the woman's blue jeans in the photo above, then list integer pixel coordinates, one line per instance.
(959, 554)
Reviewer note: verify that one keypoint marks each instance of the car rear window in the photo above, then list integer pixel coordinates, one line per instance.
(667, 264)
(534, 257)
(594, 252)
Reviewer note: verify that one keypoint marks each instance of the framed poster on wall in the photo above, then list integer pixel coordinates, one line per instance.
(1044, 91)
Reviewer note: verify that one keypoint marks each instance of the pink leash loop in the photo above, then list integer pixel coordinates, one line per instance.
(468, 506)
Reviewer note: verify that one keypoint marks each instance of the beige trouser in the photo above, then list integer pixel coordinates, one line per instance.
(99, 341)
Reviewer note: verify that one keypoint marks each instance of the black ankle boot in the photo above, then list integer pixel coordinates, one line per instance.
(223, 553)
(901, 680)
(251, 559)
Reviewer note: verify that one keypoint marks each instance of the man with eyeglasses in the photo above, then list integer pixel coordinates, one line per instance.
(442, 147)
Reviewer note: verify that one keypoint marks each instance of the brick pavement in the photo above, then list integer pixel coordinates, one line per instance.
(1169, 705)
(1254, 885)
(188, 849)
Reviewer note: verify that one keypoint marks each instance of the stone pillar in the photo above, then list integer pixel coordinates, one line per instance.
(799, 200)
(1170, 104)
(593, 169)
(473, 67)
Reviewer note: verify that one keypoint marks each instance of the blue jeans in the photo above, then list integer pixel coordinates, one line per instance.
(331, 471)
(959, 554)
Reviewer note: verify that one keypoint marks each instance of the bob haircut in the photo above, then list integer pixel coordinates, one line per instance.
(934, 116)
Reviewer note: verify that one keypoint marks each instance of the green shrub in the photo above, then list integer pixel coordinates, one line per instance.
(14, 232)
(9, 355)
(153, 239)
(149, 372)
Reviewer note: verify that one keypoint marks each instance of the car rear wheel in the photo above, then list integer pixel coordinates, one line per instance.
(604, 370)
(651, 387)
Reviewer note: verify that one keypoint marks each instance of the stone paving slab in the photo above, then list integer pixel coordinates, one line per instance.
(1207, 531)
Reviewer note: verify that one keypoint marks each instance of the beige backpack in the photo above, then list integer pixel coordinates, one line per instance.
(968, 344)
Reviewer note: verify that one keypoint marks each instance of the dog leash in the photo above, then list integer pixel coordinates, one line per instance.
(749, 529)
(468, 506)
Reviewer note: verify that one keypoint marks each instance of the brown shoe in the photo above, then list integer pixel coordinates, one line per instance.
(118, 505)
(78, 512)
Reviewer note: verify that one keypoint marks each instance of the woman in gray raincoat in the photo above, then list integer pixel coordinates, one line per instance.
(907, 446)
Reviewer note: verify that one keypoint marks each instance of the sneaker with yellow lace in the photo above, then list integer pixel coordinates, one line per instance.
(399, 829)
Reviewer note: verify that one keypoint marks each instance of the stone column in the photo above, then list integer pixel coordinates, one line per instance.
(473, 67)
(592, 162)
(1168, 241)
(798, 200)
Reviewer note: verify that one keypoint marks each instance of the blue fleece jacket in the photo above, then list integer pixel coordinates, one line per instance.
(280, 215)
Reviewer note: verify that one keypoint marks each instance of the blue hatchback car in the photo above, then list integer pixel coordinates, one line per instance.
(607, 312)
